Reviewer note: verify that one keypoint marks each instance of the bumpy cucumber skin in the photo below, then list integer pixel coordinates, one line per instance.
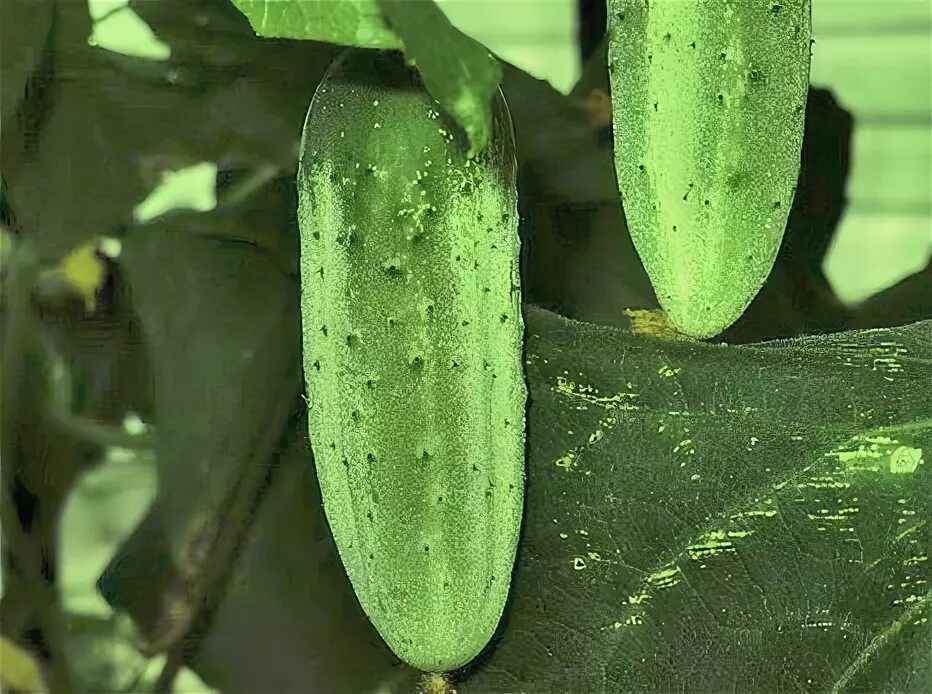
(708, 104)
(413, 339)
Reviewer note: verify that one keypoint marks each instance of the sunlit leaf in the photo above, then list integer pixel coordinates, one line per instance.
(119, 29)
(103, 508)
(346, 22)
(191, 188)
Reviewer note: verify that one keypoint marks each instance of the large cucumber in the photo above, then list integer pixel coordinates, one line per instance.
(413, 339)
(708, 103)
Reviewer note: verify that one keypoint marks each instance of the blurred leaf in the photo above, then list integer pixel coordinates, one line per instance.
(186, 681)
(107, 659)
(23, 34)
(220, 316)
(6, 245)
(103, 653)
(207, 37)
(130, 588)
(458, 71)
(103, 508)
(102, 351)
(256, 118)
(18, 669)
(193, 188)
(748, 514)
(40, 463)
(292, 569)
(345, 22)
(131, 130)
(95, 126)
(118, 28)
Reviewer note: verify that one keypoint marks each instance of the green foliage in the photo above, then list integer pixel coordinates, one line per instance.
(204, 439)
(459, 72)
(102, 645)
(119, 29)
(698, 516)
(23, 32)
(190, 188)
(105, 505)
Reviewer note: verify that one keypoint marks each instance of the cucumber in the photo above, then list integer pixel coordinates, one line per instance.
(708, 106)
(412, 348)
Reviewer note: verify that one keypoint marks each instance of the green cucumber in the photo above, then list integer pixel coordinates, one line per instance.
(413, 339)
(708, 106)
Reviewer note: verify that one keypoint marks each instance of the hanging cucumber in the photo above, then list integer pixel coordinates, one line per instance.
(413, 336)
(708, 101)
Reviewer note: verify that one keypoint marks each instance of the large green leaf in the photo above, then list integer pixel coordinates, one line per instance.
(346, 22)
(725, 517)
(698, 517)
(457, 70)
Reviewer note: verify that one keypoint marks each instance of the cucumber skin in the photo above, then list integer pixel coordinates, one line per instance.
(416, 392)
(707, 261)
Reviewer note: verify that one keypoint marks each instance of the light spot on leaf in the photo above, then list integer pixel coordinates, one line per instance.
(905, 460)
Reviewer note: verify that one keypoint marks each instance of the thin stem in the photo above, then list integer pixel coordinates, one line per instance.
(243, 189)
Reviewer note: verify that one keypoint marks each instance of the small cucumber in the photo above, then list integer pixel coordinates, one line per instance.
(708, 103)
(413, 339)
